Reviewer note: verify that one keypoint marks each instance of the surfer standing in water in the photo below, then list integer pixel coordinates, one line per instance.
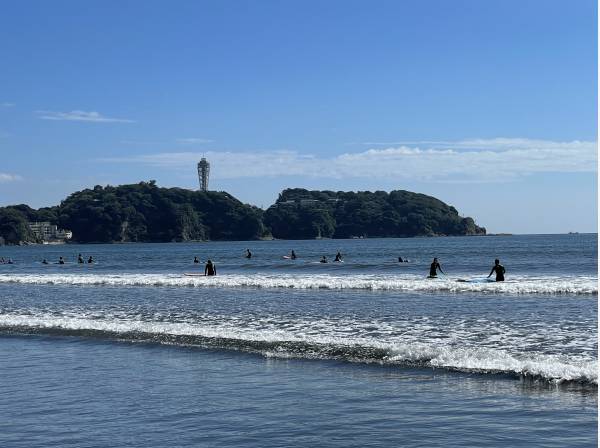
(248, 253)
(499, 270)
(435, 266)
(293, 256)
(338, 257)
(210, 268)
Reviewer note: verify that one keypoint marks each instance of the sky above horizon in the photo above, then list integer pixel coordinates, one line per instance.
(489, 106)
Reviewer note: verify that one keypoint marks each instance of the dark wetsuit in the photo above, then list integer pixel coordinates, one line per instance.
(210, 269)
(433, 269)
(80, 259)
(293, 257)
(499, 270)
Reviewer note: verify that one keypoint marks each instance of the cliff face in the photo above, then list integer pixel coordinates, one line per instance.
(300, 213)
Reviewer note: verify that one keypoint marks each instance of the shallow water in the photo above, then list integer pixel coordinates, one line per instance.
(386, 356)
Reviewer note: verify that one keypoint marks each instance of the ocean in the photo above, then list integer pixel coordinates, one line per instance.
(277, 352)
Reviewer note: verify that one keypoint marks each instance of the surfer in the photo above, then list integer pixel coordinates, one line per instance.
(323, 259)
(210, 268)
(338, 257)
(435, 266)
(400, 260)
(44, 261)
(90, 260)
(248, 253)
(196, 261)
(60, 260)
(499, 270)
(293, 255)
(79, 259)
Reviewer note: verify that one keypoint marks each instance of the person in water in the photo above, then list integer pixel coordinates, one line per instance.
(248, 253)
(499, 270)
(323, 259)
(293, 256)
(338, 257)
(90, 260)
(44, 261)
(196, 261)
(79, 259)
(210, 268)
(435, 266)
(400, 260)
(60, 260)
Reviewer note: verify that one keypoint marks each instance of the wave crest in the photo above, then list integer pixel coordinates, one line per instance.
(372, 282)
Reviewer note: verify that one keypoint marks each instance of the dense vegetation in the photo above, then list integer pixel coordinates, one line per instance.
(145, 212)
(300, 213)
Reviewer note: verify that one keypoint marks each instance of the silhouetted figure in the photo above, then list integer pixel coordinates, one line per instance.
(60, 260)
(196, 261)
(248, 253)
(338, 257)
(499, 270)
(323, 259)
(435, 266)
(79, 259)
(9, 261)
(293, 256)
(90, 260)
(400, 260)
(44, 261)
(210, 268)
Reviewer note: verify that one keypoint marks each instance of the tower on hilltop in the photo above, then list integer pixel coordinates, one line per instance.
(203, 173)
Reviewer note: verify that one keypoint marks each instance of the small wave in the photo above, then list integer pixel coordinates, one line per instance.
(549, 368)
(372, 282)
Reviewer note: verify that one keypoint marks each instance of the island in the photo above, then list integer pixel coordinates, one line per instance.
(145, 212)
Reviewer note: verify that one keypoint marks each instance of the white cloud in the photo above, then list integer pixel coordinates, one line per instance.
(193, 140)
(5, 177)
(80, 115)
(6, 104)
(464, 161)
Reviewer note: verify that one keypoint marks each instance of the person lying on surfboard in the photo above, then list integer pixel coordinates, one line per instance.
(435, 266)
(210, 268)
(499, 270)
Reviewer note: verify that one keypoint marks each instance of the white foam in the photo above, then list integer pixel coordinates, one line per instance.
(551, 367)
(374, 282)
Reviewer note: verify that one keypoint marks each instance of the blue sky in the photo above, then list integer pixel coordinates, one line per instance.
(490, 106)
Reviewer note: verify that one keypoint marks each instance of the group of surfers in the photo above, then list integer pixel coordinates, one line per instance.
(80, 260)
(498, 269)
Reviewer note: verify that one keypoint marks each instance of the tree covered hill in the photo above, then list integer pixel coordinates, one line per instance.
(144, 212)
(299, 214)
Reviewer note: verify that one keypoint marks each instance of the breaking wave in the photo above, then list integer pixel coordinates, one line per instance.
(373, 282)
(545, 367)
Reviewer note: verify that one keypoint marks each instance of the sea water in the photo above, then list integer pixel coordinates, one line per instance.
(129, 351)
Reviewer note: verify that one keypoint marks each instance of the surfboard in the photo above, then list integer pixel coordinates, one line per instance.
(287, 257)
(194, 274)
(476, 280)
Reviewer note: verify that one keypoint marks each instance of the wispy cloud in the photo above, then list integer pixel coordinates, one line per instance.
(80, 115)
(6, 104)
(5, 178)
(193, 140)
(465, 161)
